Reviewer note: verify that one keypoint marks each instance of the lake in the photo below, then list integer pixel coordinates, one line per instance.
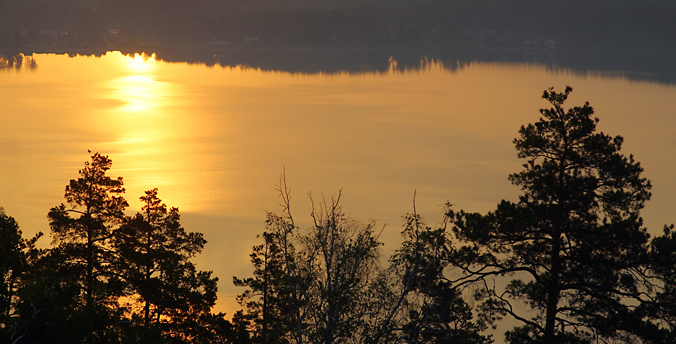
(215, 134)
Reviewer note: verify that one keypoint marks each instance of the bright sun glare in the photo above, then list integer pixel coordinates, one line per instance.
(141, 63)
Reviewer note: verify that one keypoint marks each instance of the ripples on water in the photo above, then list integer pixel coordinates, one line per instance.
(213, 131)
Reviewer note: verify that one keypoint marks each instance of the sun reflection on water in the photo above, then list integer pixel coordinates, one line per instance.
(147, 128)
(214, 140)
(141, 63)
(139, 90)
(141, 93)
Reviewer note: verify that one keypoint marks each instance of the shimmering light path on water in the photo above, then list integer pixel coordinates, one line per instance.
(215, 140)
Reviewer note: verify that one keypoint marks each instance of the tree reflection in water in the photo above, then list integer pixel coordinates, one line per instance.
(17, 61)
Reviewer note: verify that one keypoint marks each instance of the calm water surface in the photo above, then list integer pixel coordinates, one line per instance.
(215, 140)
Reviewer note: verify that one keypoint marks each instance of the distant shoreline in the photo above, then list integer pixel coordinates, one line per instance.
(157, 49)
(630, 63)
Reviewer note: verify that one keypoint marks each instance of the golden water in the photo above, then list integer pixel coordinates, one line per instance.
(215, 140)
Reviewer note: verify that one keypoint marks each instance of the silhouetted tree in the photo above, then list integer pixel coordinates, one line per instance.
(108, 278)
(574, 244)
(311, 287)
(81, 234)
(241, 324)
(326, 285)
(51, 304)
(278, 289)
(14, 267)
(342, 256)
(154, 253)
(420, 304)
(661, 308)
(267, 300)
(413, 300)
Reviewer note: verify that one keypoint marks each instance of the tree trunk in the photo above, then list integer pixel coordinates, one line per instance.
(89, 303)
(553, 291)
(148, 267)
(562, 217)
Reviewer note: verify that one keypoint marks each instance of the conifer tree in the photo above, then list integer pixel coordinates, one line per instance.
(278, 289)
(154, 258)
(15, 266)
(81, 233)
(574, 244)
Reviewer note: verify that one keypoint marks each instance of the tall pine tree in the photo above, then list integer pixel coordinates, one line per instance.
(573, 246)
(81, 233)
(154, 258)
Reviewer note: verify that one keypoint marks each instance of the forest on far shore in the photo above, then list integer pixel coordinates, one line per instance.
(569, 262)
(144, 24)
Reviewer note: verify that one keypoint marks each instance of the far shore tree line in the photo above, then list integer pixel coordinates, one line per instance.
(134, 24)
(569, 262)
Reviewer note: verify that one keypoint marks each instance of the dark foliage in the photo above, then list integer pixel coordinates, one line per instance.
(108, 278)
(153, 258)
(15, 253)
(573, 245)
(326, 286)
(81, 234)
